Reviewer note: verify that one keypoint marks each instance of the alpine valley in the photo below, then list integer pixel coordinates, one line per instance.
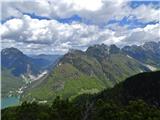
(19, 70)
(43, 77)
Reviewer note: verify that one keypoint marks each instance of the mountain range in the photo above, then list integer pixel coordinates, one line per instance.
(149, 53)
(93, 70)
(19, 63)
(18, 68)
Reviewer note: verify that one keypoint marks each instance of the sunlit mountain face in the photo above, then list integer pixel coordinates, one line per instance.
(88, 52)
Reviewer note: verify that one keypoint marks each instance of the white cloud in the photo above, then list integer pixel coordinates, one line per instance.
(12, 25)
(43, 36)
(50, 36)
(140, 35)
(146, 13)
(84, 4)
(95, 11)
(55, 36)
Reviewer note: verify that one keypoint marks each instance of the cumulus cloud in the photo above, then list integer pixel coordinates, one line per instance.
(51, 36)
(33, 35)
(56, 36)
(146, 34)
(95, 11)
(146, 13)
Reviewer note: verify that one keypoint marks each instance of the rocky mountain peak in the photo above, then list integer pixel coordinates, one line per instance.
(11, 51)
(152, 46)
(114, 49)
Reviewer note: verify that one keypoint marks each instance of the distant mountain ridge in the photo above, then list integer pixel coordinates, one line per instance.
(99, 67)
(46, 57)
(19, 63)
(52, 59)
(148, 53)
(18, 68)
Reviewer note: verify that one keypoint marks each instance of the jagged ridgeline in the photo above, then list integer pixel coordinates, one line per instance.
(99, 67)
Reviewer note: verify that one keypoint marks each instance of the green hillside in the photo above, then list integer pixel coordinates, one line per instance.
(137, 98)
(9, 82)
(81, 72)
(65, 81)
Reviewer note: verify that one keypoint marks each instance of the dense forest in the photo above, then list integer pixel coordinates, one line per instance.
(65, 110)
(137, 98)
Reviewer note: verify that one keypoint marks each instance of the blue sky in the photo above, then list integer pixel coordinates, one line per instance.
(55, 27)
(135, 4)
(132, 23)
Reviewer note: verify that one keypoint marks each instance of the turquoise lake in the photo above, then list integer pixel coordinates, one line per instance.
(9, 101)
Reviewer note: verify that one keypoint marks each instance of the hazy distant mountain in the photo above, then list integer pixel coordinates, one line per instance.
(19, 63)
(15, 64)
(52, 59)
(149, 53)
(100, 67)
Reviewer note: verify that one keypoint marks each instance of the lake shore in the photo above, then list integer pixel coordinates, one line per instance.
(10, 101)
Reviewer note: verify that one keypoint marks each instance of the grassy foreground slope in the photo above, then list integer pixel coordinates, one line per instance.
(137, 98)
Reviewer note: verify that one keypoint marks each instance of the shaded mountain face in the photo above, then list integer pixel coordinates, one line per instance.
(18, 69)
(145, 86)
(98, 51)
(15, 60)
(149, 53)
(19, 63)
(99, 67)
(152, 46)
(10, 55)
(105, 62)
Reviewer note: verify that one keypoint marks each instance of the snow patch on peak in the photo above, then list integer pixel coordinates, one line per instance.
(129, 57)
(151, 67)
